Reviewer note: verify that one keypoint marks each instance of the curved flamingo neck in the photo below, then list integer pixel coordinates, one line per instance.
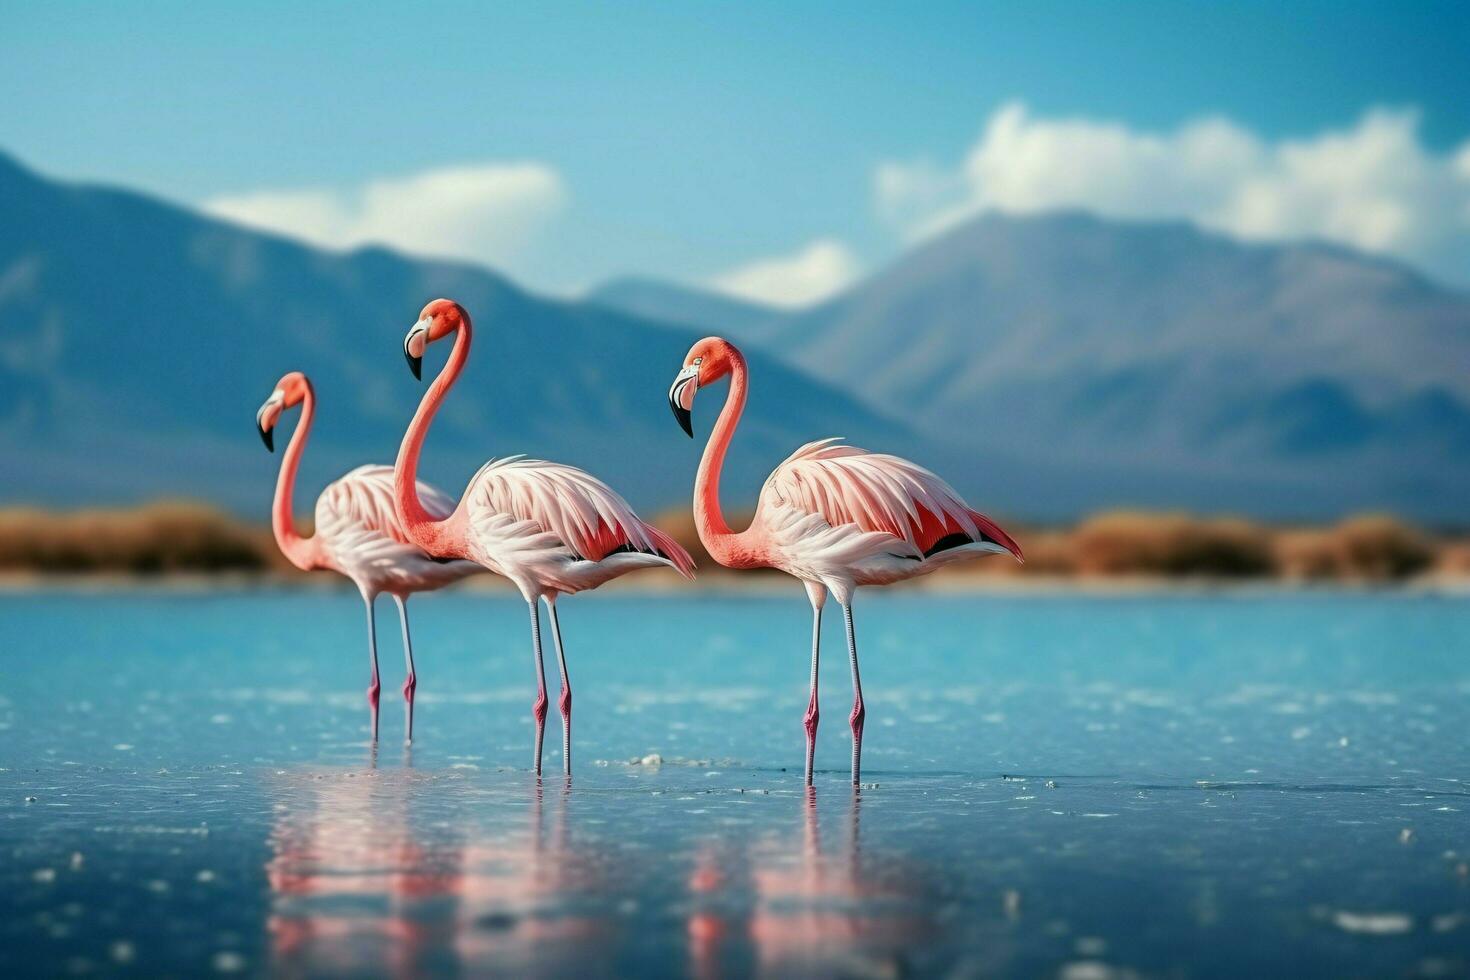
(304, 553)
(431, 535)
(722, 543)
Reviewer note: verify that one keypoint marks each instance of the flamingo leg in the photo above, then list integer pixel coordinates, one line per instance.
(410, 682)
(813, 715)
(373, 686)
(565, 701)
(538, 707)
(817, 593)
(858, 713)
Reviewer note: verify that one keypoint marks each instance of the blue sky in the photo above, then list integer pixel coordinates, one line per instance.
(775, 150)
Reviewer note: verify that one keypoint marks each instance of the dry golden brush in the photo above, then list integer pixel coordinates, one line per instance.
(184, 537)
(155, 538)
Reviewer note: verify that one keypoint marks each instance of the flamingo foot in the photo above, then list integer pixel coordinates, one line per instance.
(856, 720)
(410, 686)
(813, 716)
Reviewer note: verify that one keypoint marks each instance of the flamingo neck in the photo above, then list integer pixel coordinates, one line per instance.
(716, 536)
(420, 526)
(304, 553)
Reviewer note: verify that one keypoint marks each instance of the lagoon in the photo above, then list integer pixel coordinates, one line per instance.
(1192, 784)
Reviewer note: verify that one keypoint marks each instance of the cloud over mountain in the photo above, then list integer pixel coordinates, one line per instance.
(1374, 186)
(483, 213)
(806, 276)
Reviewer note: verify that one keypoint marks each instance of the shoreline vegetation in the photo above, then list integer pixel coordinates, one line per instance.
(182, 540)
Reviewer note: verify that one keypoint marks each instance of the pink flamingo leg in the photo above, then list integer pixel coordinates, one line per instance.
(411, 681)
(538, 707)
(373, 686)
(817, 593)
(565, 701)
(813, 715)
(858, 713)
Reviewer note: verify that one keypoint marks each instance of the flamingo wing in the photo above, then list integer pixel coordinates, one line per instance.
(357, 523)
(364, 498)
(541, 504)
(878, 494)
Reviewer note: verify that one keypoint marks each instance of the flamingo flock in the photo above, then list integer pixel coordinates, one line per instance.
(832, 515)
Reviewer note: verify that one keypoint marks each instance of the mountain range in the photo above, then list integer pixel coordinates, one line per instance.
(1047, 365)
(666, 302)
(137, 340)
(1157, 364)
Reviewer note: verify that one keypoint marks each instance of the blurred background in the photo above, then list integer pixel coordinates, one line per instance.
(1173, 289)
(1178, 293)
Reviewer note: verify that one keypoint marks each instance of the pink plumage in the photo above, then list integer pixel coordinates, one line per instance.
(835, 516)
(552, 528)
(549, 528)
(358, 534)
(902, 511)
(361, 537)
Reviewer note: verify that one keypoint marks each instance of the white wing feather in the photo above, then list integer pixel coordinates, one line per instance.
(357, 524)
(529, 505)
(875, 492)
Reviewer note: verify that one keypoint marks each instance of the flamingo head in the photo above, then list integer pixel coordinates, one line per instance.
(290, 391)
(439, 319)
(707, 362)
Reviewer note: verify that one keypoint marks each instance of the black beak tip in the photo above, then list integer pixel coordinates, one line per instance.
(267, 436)
(415, 364)
(682, 414)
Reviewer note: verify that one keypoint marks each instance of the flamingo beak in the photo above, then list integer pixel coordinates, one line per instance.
(413, 348)
(681, 397)
(996, 535)
(272, 410)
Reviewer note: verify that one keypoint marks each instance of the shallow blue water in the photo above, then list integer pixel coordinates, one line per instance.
(1178, 785)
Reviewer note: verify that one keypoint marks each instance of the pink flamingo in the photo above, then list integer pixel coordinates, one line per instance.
(357, 532)
(836, 517)
(550, 529)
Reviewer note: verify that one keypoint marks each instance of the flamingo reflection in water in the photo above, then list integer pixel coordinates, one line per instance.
(365, 878)
(804, 909)
(515, 915)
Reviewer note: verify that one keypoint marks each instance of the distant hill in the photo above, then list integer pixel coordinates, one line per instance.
(137, 340)
(1155, 364)
(1048, 366)
(653, 299)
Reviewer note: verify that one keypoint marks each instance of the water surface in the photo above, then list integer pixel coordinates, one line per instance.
(1074, 786)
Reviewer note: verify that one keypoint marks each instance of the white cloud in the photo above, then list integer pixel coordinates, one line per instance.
(804, 277)
(1373, 186)
(483, 213)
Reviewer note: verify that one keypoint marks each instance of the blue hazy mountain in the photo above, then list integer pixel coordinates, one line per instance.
(137, 340)
(1156, 364)
(653, 299)
(1047, 366)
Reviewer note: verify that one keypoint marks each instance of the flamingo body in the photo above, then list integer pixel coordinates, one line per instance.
(841, 517)
(360, 536)
(358, 533)
(551, 529)
(834, 516)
